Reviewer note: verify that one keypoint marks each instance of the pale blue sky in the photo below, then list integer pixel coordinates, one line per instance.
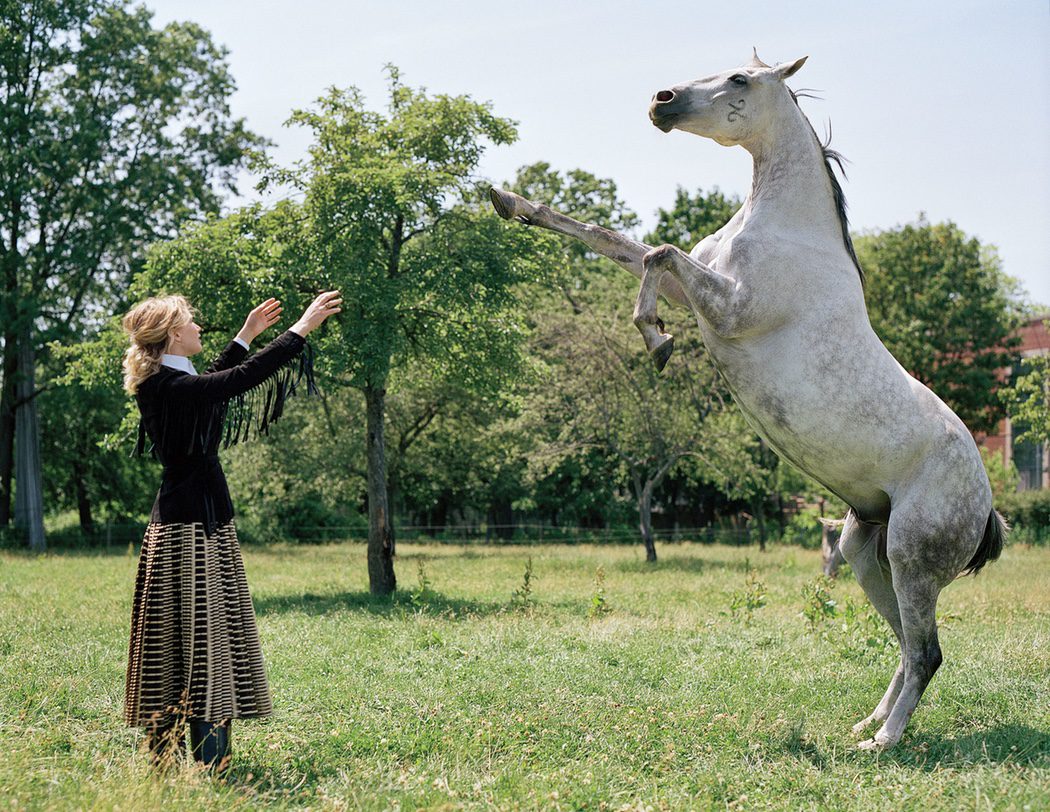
(941, 106)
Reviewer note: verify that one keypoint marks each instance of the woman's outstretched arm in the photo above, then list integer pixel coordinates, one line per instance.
(222, 385)
(258, 320)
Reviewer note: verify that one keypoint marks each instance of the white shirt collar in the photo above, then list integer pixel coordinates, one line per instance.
(179, 362)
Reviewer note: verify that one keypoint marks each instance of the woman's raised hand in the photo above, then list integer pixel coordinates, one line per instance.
(325, 305)
(262, 317)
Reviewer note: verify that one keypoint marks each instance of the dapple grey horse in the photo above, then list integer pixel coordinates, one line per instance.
(779, 297)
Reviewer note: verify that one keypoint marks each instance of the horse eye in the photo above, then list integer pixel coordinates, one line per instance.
(738, 79)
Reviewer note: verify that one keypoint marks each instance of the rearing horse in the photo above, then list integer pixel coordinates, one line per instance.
(778, 294)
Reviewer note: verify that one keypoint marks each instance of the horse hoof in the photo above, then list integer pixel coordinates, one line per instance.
(873, 745)
(661, 353)
(510, 206)
(862, 726)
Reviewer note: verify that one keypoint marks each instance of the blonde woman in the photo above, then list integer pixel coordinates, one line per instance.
(194, 652)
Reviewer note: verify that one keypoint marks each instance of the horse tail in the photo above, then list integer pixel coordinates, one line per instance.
(991, 545)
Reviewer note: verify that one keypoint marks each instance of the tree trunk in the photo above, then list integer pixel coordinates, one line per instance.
(758, 509)
(29, 505)
(645, 520)
(381, 580)
(87, 521)
(7, 425)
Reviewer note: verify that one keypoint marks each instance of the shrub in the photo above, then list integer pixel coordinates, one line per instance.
(1028, 513)
(304, 518)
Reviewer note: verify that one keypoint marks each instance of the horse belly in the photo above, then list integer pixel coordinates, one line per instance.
(845, 467)
(829, 419)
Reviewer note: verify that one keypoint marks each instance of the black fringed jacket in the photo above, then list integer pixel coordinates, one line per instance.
(188, 417)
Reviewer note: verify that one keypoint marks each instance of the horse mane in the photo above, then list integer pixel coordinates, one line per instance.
(836, 188)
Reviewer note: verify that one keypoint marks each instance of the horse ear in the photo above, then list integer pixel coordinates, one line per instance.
(786, 69)
(755, 61)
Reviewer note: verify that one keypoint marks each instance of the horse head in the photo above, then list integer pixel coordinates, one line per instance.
(732, 107)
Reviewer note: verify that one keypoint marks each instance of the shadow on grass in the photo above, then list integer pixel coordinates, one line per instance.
(1007, 744)
(395, 605)
(798, 745)
(113, 551)
(255, 782)
(685, 564)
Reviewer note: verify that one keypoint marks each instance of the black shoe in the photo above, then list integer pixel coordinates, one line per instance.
(210, 743)
(167, 742)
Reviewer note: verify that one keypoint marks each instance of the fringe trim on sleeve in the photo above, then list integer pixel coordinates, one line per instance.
(251, 413)
(238, 419)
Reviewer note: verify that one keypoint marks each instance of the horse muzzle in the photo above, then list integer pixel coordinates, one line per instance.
(662, 110)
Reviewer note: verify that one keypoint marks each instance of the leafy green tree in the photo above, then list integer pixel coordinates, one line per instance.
(1027, 399)
(84, 405)
(943, 306)
(587, 198)
(692, 217)
(601, 400)
(602, 392)
(467, 466)
(114, 133)
(1003, 476)
(391, 216)
(307, 480)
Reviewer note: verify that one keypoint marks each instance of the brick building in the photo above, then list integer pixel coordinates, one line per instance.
(1031, 459)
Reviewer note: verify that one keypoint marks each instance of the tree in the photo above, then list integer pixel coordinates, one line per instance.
(85, 404)
(692, 217)
(314, 475)
(391, 216)
(1028, 399)
(943, 306)
(587, 198)
(114, 133)
(601, 395)
(603, 392)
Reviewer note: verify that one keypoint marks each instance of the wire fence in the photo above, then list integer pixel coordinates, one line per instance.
(121, 534)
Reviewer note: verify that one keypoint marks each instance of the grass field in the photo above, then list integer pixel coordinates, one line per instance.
(696, 683)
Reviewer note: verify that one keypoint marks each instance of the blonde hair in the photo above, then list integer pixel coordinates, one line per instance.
(148, 325)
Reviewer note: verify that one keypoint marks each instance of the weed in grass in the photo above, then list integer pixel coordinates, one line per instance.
(745, 601)
(522, 597)
(599, 605)
(423, 593)
(853, 630)
(819, 604)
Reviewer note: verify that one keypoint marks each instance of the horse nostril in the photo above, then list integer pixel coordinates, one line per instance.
(664, 96)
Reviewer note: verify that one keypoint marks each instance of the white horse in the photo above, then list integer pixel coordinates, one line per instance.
(778, 294)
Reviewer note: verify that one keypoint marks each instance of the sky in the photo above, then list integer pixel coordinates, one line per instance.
(941, 107)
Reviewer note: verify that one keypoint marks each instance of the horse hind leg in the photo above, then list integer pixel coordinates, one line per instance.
(917, 594)
(864, 546)
(925, 554)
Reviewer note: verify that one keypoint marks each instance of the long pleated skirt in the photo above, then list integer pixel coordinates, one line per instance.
(194, 648)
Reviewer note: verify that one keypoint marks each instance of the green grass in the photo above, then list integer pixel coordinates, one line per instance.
(698, 685)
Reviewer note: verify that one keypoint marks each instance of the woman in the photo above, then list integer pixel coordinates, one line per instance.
(194, 652)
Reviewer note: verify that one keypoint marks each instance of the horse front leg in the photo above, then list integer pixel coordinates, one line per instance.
(659, 344)
(714, 296)
(624, 251)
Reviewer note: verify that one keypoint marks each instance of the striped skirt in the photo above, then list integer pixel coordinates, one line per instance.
(194, 648)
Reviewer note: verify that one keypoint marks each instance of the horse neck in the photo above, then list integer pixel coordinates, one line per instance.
(790, 183)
